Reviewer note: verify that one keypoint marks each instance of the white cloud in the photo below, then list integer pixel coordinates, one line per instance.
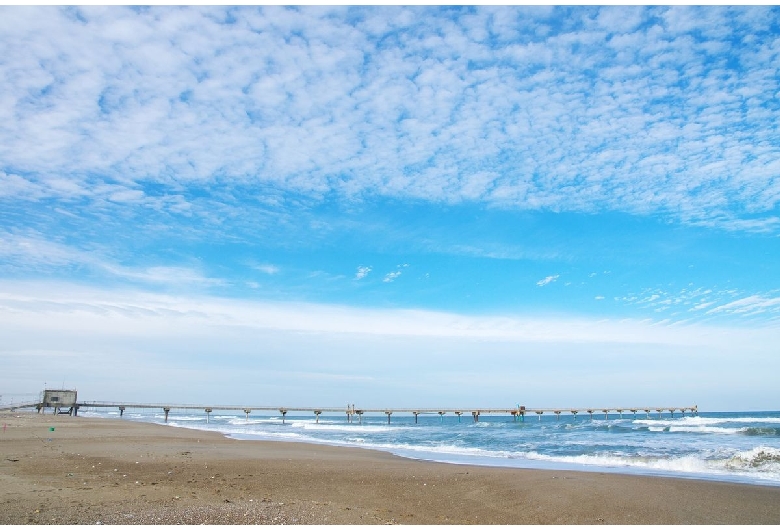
(362, 272)
(391, 276)
(267, 268)
(548, 279)
(611, 111)
(749, 305)
(33, 252)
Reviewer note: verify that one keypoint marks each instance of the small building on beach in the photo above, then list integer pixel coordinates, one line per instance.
(63, 401)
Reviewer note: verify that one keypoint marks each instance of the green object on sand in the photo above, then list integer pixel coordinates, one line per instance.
(51, 428)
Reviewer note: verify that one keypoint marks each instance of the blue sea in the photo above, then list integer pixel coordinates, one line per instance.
(724, 446)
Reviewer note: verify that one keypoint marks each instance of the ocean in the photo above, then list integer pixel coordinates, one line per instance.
(724, 446)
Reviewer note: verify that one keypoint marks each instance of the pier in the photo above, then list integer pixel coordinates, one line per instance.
(354, 413)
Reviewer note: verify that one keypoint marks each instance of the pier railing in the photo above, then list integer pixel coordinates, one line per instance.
(352, 411)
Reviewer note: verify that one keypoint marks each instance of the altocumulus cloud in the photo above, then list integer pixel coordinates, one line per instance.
(668, 110)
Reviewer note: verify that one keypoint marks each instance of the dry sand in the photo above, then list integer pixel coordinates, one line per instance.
(120, 472)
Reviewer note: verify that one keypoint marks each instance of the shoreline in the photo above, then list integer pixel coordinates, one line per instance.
(521, 464)
(509, 463)
(128, 472)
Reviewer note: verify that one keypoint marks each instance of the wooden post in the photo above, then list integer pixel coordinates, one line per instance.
(388, 412)
(166, 410)
(208, 412)
(415, 416)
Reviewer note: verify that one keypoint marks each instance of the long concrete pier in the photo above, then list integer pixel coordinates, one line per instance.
(352, 411)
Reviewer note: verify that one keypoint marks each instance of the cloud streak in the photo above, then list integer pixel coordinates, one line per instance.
(547, 280)
(73, 307)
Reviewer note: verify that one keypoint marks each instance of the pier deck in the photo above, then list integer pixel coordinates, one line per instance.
(351, 411)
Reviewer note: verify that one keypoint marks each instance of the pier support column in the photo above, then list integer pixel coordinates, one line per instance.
(389, 413)
(647, 411)
(606, 414)
(475, 415)
(659, 411)
(247, 411)
(591, 414)
(459, 414)
(671, 412)
(539, 414)
(75, 410)
(284, 414)
(441, 417)
(166, 410)
(317, 416)
(121, 411)
(208, 413)
(620, 411)
(415, 416)
(557, 415)
(575, 412)
(360, 416)
(633, 411)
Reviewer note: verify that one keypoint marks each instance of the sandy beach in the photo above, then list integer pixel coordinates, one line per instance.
(89, 470)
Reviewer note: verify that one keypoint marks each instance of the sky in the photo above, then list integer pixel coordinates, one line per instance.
(392, 206)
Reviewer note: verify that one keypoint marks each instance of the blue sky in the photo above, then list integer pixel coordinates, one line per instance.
(392, 206)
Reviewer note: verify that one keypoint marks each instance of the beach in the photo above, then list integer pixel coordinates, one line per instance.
(76, 470)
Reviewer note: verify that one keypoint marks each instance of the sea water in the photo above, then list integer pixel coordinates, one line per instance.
(727, 446)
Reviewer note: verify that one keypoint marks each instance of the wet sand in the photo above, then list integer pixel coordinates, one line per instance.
(90, 470)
